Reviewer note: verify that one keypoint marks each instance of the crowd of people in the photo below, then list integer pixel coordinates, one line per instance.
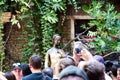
(82, 65)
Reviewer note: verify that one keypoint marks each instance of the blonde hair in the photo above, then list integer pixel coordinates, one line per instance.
(2, 77)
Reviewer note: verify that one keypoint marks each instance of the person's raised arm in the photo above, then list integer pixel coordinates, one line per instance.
(85, 55)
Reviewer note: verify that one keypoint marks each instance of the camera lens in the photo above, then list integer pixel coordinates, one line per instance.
(77, 50)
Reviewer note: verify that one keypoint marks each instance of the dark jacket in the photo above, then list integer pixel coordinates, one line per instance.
(36, 76)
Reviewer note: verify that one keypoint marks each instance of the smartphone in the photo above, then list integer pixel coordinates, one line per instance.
(78, 47)
(78, 51)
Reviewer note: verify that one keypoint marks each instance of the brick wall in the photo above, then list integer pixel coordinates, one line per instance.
(72, 15)
(14, 45)
(14, 42)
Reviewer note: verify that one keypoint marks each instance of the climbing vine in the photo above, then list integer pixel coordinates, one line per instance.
(2, 54)
(39, 22)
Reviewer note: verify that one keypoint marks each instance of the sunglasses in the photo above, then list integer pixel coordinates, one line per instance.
(16, 65)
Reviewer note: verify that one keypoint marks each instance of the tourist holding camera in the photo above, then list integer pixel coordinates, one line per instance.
(80, 52)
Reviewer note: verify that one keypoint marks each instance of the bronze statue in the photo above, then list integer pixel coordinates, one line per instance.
(54, 54)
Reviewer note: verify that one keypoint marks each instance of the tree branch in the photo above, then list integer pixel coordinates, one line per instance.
(77, 37)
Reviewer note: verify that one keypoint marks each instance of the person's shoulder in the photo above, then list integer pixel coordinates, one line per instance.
(51, 49)
(107, 77)
(28, 77)
(48, 78)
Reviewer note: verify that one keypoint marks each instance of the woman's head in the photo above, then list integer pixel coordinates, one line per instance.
(25, 69)
(65, 62)
(10, 76)
(56, 39)
(118, 74)
(48, 71)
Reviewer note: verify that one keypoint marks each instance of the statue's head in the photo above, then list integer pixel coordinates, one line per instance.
(56, 39)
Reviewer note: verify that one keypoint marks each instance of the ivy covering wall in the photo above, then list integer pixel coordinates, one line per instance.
(2, 54)
(38, 19)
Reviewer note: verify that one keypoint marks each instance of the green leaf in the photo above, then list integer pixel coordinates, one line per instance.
(14, 21)
(26, 4)
(91, 33)
(85, 8)
(23, 8)
(1, 3)
(118, 47)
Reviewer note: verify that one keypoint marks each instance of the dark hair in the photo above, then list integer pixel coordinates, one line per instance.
(25, 69)
(10, 76)
(65, 62)
(108, 65)
(35, 61)
(48, 71)
(73, 71)
(95, 70)
(114, 69)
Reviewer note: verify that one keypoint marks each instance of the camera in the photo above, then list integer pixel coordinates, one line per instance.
(78, 47)
(78, 50)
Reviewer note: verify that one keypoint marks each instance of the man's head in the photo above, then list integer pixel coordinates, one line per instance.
(95, 70)
(35, 62)
(71, 77)
(73, 73)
